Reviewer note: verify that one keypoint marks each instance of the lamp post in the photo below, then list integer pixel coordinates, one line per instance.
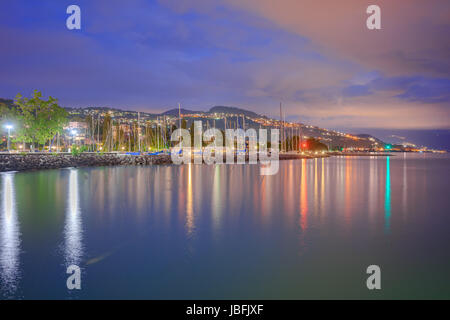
(73, 132)
(9, 127)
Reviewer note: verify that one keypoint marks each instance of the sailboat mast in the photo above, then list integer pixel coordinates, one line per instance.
(179, 115)
(138, 129)
(281, 127)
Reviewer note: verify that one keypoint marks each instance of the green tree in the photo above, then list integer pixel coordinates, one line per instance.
(8, 113)
(40, 120)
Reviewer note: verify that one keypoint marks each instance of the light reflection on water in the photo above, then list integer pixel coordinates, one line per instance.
(225, 231)
(189, 204)
(9, 238)
(73, 233)
(387, 196)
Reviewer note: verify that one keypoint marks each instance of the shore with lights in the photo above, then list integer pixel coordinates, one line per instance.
(58, 137)
(29, 161)
(43, 161)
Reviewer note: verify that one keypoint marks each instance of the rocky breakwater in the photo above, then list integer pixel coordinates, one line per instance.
(23, 162)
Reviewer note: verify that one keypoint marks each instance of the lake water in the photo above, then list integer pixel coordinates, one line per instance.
(225, 231)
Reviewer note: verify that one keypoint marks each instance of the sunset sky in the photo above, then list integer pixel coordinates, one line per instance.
(316, 57)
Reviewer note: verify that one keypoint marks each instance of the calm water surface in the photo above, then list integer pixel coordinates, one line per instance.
(207, 232)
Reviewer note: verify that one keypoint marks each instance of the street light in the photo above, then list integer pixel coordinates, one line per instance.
(73, 132)
(9, 127)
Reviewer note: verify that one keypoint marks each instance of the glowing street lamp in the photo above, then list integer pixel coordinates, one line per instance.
(9, 127)
(73, 132)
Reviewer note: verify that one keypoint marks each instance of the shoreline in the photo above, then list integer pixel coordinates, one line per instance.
(44, 161)
(361, 154)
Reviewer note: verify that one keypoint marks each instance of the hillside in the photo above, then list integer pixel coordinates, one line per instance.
(174, 112)
(234, 110)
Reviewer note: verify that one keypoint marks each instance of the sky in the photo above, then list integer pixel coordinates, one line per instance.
(315, 57)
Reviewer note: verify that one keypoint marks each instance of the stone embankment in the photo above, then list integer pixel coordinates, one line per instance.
(23, 162)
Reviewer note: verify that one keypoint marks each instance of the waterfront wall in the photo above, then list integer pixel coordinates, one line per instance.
(19, 162)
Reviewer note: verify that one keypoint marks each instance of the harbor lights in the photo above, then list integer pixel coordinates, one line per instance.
(9, 127)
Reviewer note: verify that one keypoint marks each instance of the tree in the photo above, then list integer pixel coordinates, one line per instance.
(8, 113)
(40, 120)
